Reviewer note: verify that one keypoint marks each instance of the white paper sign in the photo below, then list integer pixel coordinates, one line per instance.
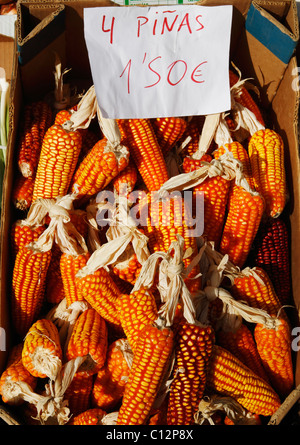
(159, 61)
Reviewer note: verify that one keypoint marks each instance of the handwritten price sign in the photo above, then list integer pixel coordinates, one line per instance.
(159, 61)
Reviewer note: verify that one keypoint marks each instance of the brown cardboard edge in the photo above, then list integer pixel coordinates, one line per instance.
(5, 318)
(6, 55)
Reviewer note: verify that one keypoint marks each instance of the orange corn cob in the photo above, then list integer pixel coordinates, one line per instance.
(215, 191)
(139, 136)
(244, 98)
(150, 362)
(111, 380)
(28, 287)
(125, 181)
(22, 192)
(79, 220)
(37, 120)
(192, 132)
(229, 376)
(136, 310)
(274, 347)
(14, 373)
(239, 152)
(128, 269)
(192, 353)
(272, 255)
(42, 353)
(242, 222)
(216, 194)
(62, 116)
(190, 164)
(168, 131)
(166, 219)
(97, 170)
(69, 266)
(22, 235)
(58, 159)
(79, 393)
(89, 338)
(54, 285)
(266, 154)
(241, 344)
(91, 416)
(89, 137)
(257, 290)
(101, 292)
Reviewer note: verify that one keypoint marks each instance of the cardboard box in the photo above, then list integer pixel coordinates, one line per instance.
(268, 57)
(7, 33)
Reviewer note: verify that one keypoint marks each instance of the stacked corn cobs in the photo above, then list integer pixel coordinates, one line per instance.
(138, 368)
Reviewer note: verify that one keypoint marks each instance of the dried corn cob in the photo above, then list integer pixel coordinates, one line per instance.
(272, 255)
(91, 416)
(58, 159)
(23, 234)
(167, 218)
(139, 136)
(190, 163)
(150, 363)
(79, 393)
(241, 225)
(16, 379)
(168, 131)
(266, 154)
(190, 139)
(229, 376)
(89, 137)
(274, 347)
(255, 287)
(128, 267)
(243, 96)
(78, 218)
(42, 353)
(111, 380)
(28, 287)
(214, 407)
(240, 153)
(126, 248)
(22, 192)
(194, 344)
(89, 338)
(69, 265)
(241, 344)
(125, 181)
(215, 192)
(136, 310)
(63, 116)
(37, 120)
(101, 292)
(98, 168)
(55, 292)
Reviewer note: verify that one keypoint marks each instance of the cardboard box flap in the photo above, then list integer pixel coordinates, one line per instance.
(271, 33)
(268, 43)
(51, 27)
